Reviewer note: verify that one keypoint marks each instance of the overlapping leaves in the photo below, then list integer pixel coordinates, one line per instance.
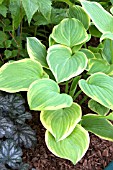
(98, 125)
(73, 147)
(61, 122)
(22, 74)
(44, 94)
(99, 87)
(37, 50)
(31, 6)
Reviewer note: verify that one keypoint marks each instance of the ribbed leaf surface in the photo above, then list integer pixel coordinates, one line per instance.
(99, 126)
(69, 32)
(36, 50)
(18, 75)
(65, 65)
(61, 122)
(73, 147)
(101, 18)
(44, 94)
(99, 87)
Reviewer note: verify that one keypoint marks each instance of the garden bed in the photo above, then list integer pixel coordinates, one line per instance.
(99, 154)
(60, 52)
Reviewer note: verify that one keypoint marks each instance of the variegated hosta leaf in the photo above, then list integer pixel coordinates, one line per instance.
(6, 127)
(78, 47)
(24, 135)
(110, 116)
(36, 50)
(78, 12)
(111, 10)
(107, 50)
(61, 122)
(65, 65)
(99, 87)
(101, 18)
(99, 65)
(44, 94)
(89, 54)
(97, 107)
(69, 32)
(18, 75)
(72, 148)
(99, 126)
(107, 35)
(10, 154)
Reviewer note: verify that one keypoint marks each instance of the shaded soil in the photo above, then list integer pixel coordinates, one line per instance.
(99, 154)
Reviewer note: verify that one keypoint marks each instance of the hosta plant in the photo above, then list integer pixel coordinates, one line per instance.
(14, 132)
(102, 19)
(45, 74)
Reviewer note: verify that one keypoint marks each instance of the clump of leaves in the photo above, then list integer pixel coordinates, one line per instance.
(16, 132)
(65, 61)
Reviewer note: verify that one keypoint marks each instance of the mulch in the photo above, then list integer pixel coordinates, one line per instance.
(99, 154)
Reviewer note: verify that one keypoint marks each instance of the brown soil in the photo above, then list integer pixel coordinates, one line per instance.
(99, 154)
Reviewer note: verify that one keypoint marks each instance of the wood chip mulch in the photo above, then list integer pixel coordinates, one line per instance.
(99, 154)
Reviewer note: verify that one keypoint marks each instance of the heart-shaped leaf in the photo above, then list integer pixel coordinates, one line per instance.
(69, 32)
(65, 65)
(61, 122)
(72, 148)
(99, 126)
(10, 154)
(18, 75)
(44, 94)
(99, 87)
(37, 50)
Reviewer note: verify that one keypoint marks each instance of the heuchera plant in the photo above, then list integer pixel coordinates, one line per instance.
(14, 132)
(43, 74)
